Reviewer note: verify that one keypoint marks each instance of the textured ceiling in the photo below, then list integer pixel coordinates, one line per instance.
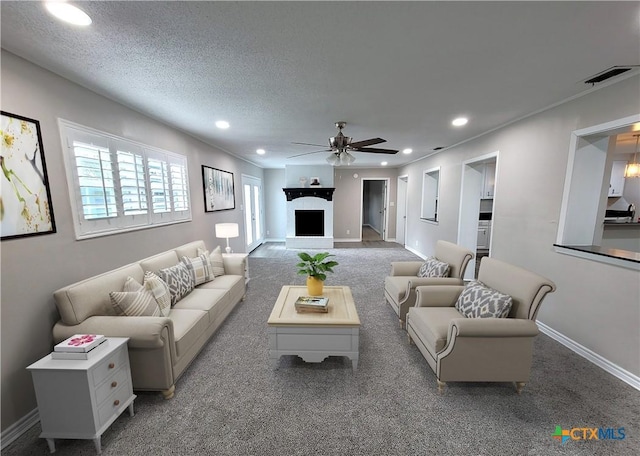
(283, 72)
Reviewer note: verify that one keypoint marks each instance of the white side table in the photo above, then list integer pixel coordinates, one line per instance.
(80, 399)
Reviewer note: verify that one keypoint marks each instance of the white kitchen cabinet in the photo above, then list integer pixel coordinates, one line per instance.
(616, 184)
(80, 399)
(484, 235)
(488, 180)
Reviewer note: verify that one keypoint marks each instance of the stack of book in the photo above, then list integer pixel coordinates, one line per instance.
(80, 346)
(312, 304)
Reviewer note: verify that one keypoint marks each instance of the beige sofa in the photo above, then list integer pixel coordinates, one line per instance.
(160, 348)
(480, 349)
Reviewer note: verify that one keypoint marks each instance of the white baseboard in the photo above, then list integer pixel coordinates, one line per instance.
(347, 240)
(274, 240)
(421, 255)
(18, 428)
(603, 363)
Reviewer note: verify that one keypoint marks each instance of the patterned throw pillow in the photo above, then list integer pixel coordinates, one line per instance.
(479, 301)
(160, 291)
(434, 268)
(135, 303)
(217, 265)
(179, 280)
(131, 284)
(200, 267)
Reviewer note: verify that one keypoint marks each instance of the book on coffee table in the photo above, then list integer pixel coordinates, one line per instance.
(312, 304)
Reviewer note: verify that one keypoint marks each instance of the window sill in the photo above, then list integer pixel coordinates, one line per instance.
(623, 258)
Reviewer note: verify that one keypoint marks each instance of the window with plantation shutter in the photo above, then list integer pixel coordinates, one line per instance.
(118, 185)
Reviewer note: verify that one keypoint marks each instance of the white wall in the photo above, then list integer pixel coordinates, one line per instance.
(275, 205)
(34, 267)
(595, 305)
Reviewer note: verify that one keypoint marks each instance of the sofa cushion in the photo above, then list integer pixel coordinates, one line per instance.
(234, 285)
(135, 303)
(217, 264)
(200, 267)
(160, 291)
(431, 324)
(188, 326)
(209, 300)
(433, 267)
(179, 280)
(479, 301)
(160, 261)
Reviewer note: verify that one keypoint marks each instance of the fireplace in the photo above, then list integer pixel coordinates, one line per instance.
(309, 222)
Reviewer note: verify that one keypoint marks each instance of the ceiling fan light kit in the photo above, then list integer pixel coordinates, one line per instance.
(340, 146)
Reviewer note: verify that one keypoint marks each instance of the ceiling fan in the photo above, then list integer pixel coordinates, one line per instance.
(340, 146)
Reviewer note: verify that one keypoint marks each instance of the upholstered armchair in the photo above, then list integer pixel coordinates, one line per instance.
(464, 349)
(400, 286)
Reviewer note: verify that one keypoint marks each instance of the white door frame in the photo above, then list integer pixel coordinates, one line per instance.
(257, 233)
(470, 195)
(385, 202)
(401, 209)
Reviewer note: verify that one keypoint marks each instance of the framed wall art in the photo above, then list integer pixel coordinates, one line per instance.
(25, 197)
(218, 189)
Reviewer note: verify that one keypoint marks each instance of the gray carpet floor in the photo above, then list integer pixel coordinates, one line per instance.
(232, 402)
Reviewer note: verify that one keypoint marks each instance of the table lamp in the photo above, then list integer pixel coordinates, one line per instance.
(227, 230)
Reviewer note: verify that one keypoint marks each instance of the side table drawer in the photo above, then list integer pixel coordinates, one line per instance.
(103, 391)
(115, 403)
(110, 365)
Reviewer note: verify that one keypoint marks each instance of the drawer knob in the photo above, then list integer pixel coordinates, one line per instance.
(112, 365)
(114, 384)
(116, 402)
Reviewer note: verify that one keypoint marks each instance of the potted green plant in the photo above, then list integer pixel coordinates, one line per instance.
(315, 268)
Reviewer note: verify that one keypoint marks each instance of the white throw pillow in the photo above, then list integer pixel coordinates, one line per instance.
(135, 303)
(200, 267)
(160, 291)
(217, 265)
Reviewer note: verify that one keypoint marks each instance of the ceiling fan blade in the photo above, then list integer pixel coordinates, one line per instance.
(308, 153)
(375, 150)
(307, 144)
(367, 142)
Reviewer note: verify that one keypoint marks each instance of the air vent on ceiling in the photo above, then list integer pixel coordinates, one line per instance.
(609, 73)
(438, 148)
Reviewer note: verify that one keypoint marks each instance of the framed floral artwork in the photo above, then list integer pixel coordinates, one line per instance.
(218, 189)
(25, 197)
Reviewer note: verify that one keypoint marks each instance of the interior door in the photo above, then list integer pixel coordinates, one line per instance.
(253, 211)
(401, 210)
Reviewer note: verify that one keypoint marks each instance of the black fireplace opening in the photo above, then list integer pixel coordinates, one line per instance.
(309, 223)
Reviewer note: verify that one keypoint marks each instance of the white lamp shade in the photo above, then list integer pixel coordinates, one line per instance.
(227, 230)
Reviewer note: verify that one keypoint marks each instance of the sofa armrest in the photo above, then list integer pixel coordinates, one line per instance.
(493, 327)
(234, 264)
(143, 332)
(440, 296)
(405, 268)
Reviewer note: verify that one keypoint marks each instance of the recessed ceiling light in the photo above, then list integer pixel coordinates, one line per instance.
(384, 163)
(407, 151)
(222, 124)
(460, 121)
(68, 13)
(260, 152)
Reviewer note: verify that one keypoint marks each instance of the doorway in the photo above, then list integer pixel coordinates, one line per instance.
(475, 228)
(401, 210)
(253, 211)
(373, 214)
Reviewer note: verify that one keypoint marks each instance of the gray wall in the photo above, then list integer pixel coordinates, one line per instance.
(347, 200)
(32, 268)
(596, 304)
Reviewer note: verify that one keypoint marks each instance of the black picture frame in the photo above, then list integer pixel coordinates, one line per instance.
(219, 189)
(25, 205)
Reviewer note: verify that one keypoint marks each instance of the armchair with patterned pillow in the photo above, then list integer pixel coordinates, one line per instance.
(446, 268)
(483, 331)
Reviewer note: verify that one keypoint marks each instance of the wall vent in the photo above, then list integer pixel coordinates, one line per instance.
(609, 73)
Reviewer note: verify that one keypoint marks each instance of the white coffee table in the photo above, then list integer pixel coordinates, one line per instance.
(314, 336)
